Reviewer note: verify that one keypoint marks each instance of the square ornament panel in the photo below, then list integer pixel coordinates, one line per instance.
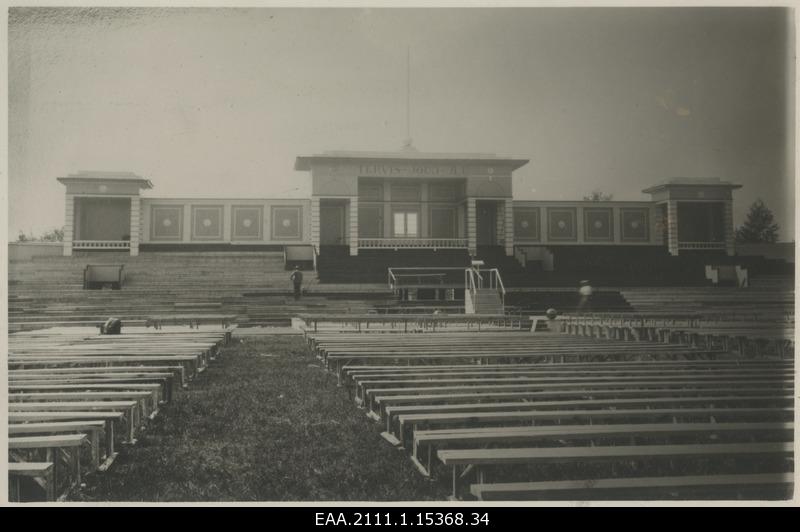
(561, 224)
(247, 222)
(597, 224)
(635, 225)
(287, 223)
(526, 223)
(166, 222)
(207, 222)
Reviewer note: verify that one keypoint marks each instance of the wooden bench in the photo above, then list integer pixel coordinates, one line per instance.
(478, 458)
(41, 472)
(632, 488)
(67, 443)
(148, 405)
(157, 391)
(366, 387)
(532, 414)
(382, 401)
(192, 320)
(190, 362)
(429, 440)
(91, 428)
(169, 375)
(473, 405)
(110, 419)
(100, 275)
(129, 408)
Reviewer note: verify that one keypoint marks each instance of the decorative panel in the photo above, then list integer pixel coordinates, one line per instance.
(370, 192)
(526, 223)
(443, 222)
(405, 192)
(561, 223)
(597, 224)
(247, 222)
(370, 222)
(287, 223)
(443, 192)
(634, 225)
(166, 222)
(207, 222)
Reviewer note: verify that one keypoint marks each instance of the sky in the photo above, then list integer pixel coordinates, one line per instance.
(219, 102)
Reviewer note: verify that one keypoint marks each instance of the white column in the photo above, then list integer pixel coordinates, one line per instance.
(353, 225)
(509, 227)
(472, 228)
(69, 224)
(672, 227)
(315, 222)
(136, 216)
(727, 221)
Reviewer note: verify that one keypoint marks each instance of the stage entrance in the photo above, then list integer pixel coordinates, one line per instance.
(331, 224)
(486, 221)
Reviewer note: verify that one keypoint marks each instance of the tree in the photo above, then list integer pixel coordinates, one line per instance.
(597, 195)
(53, 235)
(759, 226)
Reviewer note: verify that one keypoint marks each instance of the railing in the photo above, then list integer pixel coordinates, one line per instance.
(701, 245)
(474, 280)
(101, 244)
(314, 255)
(412, 243)
(424, 276)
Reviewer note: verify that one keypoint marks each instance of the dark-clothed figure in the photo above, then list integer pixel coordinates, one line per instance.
(297, 280)
(585, 292)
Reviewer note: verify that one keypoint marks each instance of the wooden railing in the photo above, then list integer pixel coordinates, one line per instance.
(412, 243)
(101, 244)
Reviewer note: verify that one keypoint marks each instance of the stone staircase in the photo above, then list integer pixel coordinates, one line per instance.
(254, 286)
(487, 301)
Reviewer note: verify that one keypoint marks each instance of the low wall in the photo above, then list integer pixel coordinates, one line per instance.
(18, 251)
(778, 250)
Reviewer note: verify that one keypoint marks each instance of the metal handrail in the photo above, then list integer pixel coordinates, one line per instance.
(502, 286)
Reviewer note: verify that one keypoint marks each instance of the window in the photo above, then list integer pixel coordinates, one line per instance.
(405, 224)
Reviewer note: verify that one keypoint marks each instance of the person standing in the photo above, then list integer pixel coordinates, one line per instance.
(297, 280)
(585, 292)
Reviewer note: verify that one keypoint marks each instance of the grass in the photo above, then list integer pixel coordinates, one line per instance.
(263, 423)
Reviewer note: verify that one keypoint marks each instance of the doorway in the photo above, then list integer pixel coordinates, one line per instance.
(331, 222)
(486, 221)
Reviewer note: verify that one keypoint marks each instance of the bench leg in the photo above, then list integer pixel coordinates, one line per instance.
(14, 488)
(95, 441)
(111, 454)
(50, 485)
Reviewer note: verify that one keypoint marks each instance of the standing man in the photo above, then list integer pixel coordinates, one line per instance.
(297, 280)
(585, 292)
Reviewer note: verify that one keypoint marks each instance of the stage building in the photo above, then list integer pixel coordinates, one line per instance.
(399, 200)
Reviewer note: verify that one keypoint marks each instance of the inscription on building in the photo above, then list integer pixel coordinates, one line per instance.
(389, 170)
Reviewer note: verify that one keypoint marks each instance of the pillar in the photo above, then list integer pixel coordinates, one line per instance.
(509, 227)
(472, 227)
(727, 226)
(315, 222)
(353, 225)
(136, 216)
(69, 224)
(672, 227)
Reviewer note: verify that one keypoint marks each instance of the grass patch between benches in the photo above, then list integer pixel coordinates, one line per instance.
(263, 423)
